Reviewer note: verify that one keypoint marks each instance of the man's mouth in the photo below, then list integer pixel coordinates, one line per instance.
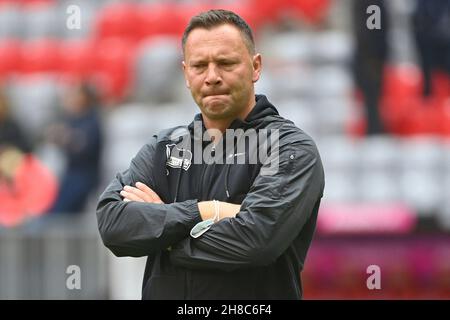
(215, 95)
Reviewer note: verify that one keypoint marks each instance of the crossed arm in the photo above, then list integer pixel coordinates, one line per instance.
(143, 193)
(270, 217)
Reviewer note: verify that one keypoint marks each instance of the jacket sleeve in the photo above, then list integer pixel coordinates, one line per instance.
(136, 228)
(272, 216)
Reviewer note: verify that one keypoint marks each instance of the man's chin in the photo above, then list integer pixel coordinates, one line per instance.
(216, 114)
(216, 108)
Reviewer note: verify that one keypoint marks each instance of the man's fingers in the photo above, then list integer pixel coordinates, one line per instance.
(139, 193)
(144, 188)
(129, 196)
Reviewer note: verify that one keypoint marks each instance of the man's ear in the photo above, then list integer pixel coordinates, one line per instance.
(257, 67)
(185, 75)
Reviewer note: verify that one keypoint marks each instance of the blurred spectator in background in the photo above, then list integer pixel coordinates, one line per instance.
(431, 21)
(11, 135)
(371, 50)
(27, 187)
(79, 136)
(13, 143)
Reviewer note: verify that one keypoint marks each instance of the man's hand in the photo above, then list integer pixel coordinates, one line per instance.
(141, 193)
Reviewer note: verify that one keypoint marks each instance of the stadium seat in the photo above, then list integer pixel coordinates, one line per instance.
(419, 119)
(422, 160)
(312, 11)
(40, 20)
(187, 10)
(341, 187)
(9, 57)
(76, 58)
(441, 86)
(160, 19)
(332, 47)
(380, 153)
(35, 101)
(302, 114)
(402, 81)
(157, 69)
(118, 19)
(378, 186)
(340, 153)
(36, 2)
(39, 56)
(401, 89)
(10, 20)
(290, 47)
(332, 81)
(444, 118)
(112, 67)
(332, 114)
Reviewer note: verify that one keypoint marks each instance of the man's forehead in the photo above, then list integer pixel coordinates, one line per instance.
(215, 36)
(217, 52)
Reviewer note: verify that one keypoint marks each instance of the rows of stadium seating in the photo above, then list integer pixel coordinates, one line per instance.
(34, 36)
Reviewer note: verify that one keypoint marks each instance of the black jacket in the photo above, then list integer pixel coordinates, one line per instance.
(256, 255)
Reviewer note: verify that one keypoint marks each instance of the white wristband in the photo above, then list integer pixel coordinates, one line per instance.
(216, 210)
(203, 226)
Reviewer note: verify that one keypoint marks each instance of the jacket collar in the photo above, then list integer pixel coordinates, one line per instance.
(262, 109)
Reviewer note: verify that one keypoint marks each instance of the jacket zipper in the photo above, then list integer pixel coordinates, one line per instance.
(189, 280)
(202, 176)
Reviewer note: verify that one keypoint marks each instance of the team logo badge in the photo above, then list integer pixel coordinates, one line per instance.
(177, 158)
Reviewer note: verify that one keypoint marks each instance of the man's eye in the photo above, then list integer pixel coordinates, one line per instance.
(198, 66)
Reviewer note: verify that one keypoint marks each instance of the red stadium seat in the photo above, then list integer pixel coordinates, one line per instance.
(401, 94)
(39, 56)
(313, 11)
(118, 20)
(112, 66)
(402, 82)
(419, 119)
(36, 2)
(160, 19)
(9, 57)
(268, 10)
(404, 109)
(441, 85)
(28, 2)
(443, 117)
(187, 10)
(76, 58)
(253, 17)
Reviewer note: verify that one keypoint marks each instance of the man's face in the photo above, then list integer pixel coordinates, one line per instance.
(220, 72)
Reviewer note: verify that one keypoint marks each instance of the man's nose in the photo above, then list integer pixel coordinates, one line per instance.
(212, 76)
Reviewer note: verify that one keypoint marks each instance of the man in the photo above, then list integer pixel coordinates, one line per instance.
(252, 242)
(431, 27)
(370, 56)
(78, 134)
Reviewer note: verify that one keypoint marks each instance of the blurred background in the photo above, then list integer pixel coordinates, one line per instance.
(84, 84)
